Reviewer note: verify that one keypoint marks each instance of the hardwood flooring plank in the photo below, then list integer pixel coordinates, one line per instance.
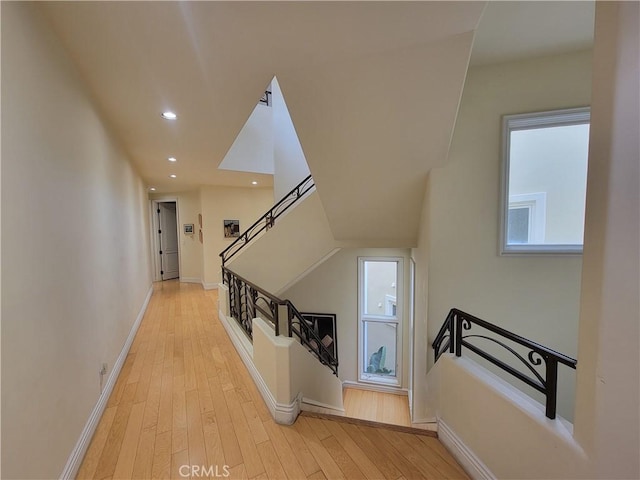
(92, 457)
(143, 466)
(197, 451)
(317, 449)
(303, 453)
(255, 424)
(377, 456)
(365, 465)
(434, 445)
(162, 456)
(342, 459)
(402, 443)
(250, 456)
(127, 456)
(230, 446)
(109, 457)
(213, 445)
(378, 437)
(178, 462)
(288, 457)
(273, 467)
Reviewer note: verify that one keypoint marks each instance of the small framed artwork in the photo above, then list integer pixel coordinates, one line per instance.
(188, 228)
(231, 228)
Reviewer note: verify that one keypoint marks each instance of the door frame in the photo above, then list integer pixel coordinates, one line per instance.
(412, 332)
(154, 227)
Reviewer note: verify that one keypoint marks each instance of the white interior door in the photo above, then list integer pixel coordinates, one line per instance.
(169, 263)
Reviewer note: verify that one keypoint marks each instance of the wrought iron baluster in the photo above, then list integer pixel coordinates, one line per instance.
(457, 322)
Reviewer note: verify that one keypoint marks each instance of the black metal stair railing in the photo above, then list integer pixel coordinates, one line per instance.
(267, 220)
(247, 301)
(451, 338)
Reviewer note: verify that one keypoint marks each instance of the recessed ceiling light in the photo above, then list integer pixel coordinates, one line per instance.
(172, 159)
(169, 115)
(173, 175)
(254, 183)
(153, 189)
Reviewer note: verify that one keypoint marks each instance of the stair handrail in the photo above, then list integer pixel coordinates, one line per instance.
(267, 220)
(246, 299)
(450, 337)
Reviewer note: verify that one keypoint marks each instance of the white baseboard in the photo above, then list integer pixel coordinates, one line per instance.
(190, 280)
(469, 461)
(209, 286)
(284, 414)
(375, 388)
(309, 405)
(77, 454)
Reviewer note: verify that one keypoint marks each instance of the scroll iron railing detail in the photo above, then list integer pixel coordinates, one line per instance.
(244, 298)
(451, 338)
(266, 221)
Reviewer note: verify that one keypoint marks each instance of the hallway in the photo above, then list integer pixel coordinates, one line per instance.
(184, 405)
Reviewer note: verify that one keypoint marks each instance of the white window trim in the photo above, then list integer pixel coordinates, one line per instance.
(396, 380)
(526, 121)
(537, 204)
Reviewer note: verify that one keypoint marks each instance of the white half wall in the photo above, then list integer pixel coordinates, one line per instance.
(501, 432)
(285, 373)
(75, 237)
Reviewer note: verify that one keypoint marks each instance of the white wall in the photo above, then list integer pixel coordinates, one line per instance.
(333, 288)
(607, 414)
(289, 165)
(299, 240)
(535, 296)
(75, 267)
(227, 203)
(253, 148)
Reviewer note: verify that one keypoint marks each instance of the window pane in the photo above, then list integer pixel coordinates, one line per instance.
(380, 283)
(549, 162)
(380, 340)
(518, 229)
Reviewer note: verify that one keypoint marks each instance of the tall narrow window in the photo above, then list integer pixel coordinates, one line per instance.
(380, 312)
(544, 181)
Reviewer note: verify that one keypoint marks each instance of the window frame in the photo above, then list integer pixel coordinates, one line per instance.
(529, 121)
(363, 377)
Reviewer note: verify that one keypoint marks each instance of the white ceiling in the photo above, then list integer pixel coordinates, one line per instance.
(372, 87)
(512, 30)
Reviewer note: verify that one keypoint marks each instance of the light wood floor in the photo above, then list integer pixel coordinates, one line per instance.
(184, 397)
(377, 406)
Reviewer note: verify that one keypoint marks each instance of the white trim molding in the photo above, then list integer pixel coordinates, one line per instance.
(209, 286)
(309, 405)
(463, 454)
(375, 387)
(191, 280)
(77, 454)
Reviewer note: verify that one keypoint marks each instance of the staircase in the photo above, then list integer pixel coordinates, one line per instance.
(292, 356)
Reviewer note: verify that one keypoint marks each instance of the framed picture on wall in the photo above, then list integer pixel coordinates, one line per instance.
(231, 228)
(188, 228)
